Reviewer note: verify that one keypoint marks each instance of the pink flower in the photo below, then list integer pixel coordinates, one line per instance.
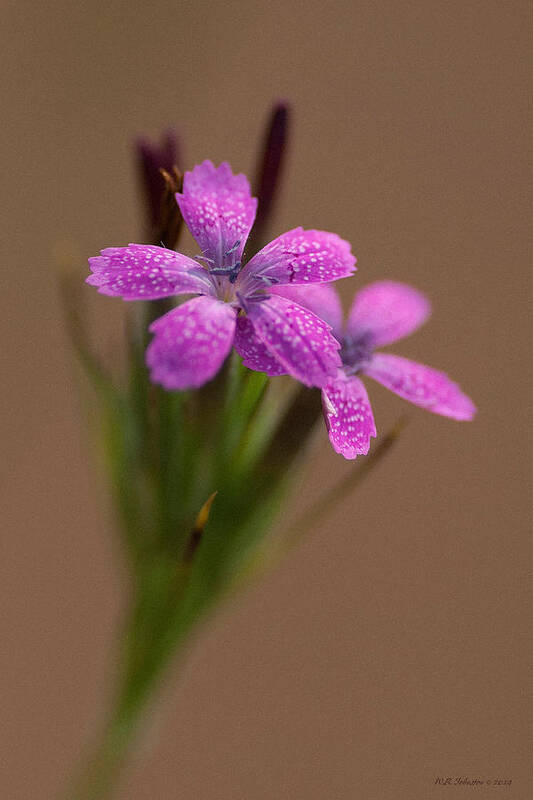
(381, 313)
(234, 306)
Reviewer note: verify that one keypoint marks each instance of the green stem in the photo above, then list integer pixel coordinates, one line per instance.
(99, 778)
(150, 641)
(271, 553)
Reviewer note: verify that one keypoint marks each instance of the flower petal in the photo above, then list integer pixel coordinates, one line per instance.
(301, 257)
(190, 343)
(255, 354)
(386, 311)
(297, 338)
(145, 272)
(320, 298)
(348, 415)
(421, 385)
(219, 210)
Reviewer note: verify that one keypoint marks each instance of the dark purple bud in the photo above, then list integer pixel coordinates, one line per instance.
(269, 170)
(151, 157)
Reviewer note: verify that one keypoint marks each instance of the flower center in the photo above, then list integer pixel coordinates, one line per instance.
(224, 274)
(355, 354)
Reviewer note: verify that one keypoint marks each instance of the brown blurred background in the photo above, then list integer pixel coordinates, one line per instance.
(394, 647)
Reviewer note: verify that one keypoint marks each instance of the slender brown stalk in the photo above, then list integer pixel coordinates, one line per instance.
(269, 172)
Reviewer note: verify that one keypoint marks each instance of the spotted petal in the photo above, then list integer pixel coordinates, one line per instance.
(320, 298)
(386, 311)
(421, 385)
(145, 272)
(219, 210)
(190, 343)
(255, 354)
(348, 415)
(297, 338)
(301, 257)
